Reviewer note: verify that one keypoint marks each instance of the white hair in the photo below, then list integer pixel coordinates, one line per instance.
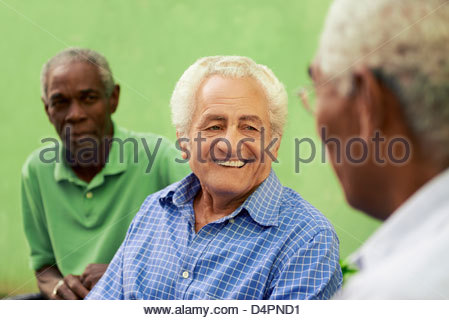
(183, 100)
(406, 44)
(71, 55)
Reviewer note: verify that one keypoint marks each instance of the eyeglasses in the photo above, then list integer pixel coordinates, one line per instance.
(307, 95)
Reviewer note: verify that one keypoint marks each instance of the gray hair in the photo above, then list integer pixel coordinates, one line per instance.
(183, 99)
(407, 43)
(71, 55)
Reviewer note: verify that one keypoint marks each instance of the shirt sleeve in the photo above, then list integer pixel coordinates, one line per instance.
(312, 272)
(110, 286)
(34, 222)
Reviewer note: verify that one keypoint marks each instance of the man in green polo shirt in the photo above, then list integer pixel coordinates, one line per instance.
(79, 196)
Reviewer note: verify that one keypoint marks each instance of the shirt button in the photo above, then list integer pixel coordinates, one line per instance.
(185, 274)
(231, 220)
(89, 195)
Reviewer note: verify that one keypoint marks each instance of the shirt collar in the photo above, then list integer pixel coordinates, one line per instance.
(262, 205)
(401, 226)
(113, 165)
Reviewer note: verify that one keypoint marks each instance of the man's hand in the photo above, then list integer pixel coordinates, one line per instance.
(71, 289)
(49, 278)
(92, 274)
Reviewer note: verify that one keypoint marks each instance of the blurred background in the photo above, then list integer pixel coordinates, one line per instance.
(149, 43)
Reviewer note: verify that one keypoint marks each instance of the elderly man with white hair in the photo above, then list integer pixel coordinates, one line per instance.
(229, 230)
(382, 74)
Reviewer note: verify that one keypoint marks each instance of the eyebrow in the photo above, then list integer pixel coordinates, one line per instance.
(57, 96)
(211, 117)
(87, 91)
(253, 118)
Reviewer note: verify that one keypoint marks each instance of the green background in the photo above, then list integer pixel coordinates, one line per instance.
(149, 44)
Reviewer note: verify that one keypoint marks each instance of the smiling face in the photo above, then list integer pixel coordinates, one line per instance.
(232, 120)
(76, 98)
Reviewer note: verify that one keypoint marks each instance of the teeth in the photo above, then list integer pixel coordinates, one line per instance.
(237, 164)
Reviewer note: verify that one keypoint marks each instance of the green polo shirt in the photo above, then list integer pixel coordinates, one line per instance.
(71, 223)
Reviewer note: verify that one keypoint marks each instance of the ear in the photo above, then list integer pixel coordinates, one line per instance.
(114, 98)
(277, 144)
(184, 145)
(178, 135)
(370, 99)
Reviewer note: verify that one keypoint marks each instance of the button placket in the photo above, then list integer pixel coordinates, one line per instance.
(188, 263)
(197, 248)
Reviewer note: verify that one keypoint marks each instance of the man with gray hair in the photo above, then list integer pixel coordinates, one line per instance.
(229, 230)
(78, 198)
(382, 75)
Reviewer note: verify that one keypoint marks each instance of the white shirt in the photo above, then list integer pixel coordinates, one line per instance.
(408, 256)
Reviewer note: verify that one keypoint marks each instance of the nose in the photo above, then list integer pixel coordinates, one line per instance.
(75, 113)
(227, 146)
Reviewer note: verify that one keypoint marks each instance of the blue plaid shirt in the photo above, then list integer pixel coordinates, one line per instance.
(274, 246)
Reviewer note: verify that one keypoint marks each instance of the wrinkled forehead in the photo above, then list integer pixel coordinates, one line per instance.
(218, 87)
(74, 76)
(223, 94)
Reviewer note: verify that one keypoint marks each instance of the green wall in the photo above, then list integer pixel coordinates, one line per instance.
(149, 44)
